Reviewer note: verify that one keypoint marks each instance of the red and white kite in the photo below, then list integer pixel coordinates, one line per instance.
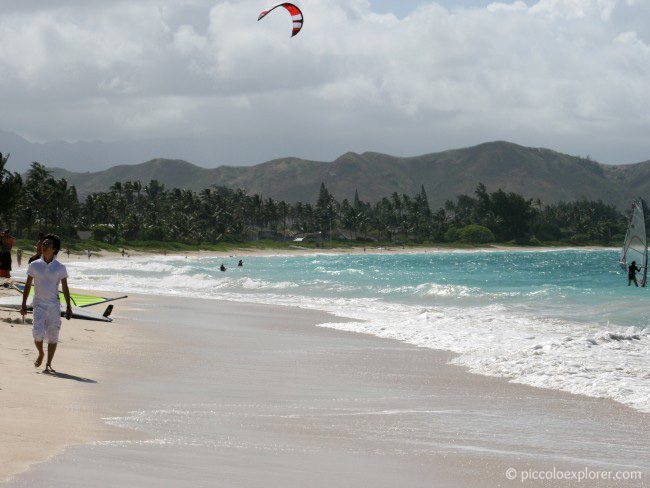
(295, 12)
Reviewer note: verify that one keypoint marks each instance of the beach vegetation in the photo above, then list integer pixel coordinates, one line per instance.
(452, 234)
(153, 217)
(476, 234)
(10, 190)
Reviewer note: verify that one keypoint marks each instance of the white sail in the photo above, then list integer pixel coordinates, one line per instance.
(635, 247)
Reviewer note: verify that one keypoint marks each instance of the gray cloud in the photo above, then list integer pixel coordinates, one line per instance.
(218, 87)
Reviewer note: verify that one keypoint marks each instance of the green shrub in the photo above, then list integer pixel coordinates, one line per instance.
(452, 234)
(548, 232)
(153, 234)
(476, 234)
(104, 233)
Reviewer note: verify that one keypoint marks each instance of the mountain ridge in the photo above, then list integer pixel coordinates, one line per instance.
(533, 172)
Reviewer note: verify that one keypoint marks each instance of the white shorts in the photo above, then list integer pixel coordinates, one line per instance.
(47, 323)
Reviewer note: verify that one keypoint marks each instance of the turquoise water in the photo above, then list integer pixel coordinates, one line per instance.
(555, 319)
(585, 286)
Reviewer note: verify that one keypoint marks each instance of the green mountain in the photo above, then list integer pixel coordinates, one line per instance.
(533, 172)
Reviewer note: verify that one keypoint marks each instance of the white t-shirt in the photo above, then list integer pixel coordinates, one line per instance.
(46, 281)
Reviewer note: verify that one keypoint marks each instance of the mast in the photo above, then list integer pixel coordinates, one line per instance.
(645, 240)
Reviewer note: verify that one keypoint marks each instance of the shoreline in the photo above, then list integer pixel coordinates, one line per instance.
(91, 428)
(364, 367)
(338, 318)
(296, 252)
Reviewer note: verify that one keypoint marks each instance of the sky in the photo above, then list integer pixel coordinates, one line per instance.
(204, 81)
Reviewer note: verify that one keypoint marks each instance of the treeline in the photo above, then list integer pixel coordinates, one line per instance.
(133, 212)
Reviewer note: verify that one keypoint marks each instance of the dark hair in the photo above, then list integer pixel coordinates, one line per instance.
(40, 236)
(56, 242)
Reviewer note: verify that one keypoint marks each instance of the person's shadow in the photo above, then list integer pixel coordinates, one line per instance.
(66, 376)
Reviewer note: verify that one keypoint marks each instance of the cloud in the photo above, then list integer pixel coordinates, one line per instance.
(570, 74)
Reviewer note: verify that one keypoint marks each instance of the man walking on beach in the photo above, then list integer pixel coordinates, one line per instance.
(46, 273)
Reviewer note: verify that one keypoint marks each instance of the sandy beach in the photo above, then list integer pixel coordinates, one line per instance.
(269, 398)
(41, 414)
(388, 250)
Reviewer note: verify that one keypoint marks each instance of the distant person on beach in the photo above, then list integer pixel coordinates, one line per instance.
(631, 274)
(67, 252)
(46, 273)
(123, 252)
(88, 253)
(6, 243)
(19, 257)
(222, 268)
(39, 248)
(241, 263)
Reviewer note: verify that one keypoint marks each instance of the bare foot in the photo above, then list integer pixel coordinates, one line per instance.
(39, 360)
(48, 369)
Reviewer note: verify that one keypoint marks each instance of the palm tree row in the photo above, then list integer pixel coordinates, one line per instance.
(132, 212)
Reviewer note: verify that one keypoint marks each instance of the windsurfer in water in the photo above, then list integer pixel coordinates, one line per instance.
(632, 270)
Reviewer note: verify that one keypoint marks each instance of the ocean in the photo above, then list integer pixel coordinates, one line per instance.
(563, 320)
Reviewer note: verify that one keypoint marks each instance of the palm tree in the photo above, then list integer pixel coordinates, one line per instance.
(10, 189)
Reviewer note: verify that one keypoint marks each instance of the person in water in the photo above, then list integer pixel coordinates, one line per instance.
(632, 270)
(223, 268)
(241, 263)
(46, 273)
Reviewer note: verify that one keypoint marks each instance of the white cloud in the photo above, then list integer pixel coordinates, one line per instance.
(571, 74)
(518, 5)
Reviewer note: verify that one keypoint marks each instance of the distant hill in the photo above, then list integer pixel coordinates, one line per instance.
(533, 172)
(75, 155)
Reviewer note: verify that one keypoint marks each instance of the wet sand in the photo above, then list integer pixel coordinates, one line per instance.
(230, 394)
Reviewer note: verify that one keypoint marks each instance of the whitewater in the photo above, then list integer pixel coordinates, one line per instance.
(563, 320)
